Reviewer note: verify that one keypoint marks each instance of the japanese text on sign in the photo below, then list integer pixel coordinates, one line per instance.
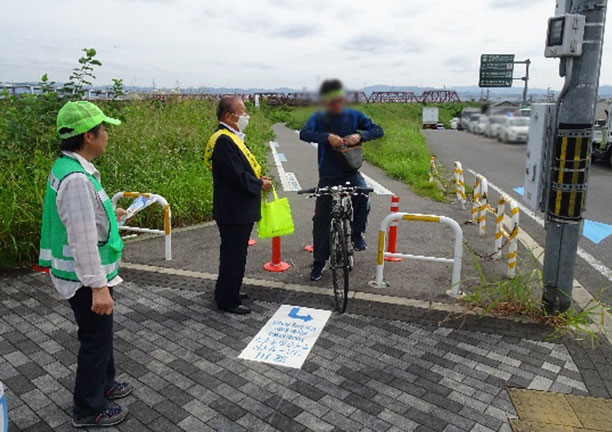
(496, 70)
(287, 337)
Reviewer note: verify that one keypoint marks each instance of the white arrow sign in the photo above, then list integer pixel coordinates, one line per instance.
(287, 337)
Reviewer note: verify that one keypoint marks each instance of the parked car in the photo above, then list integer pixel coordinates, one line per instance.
(465, 117)
(482, 124)
(455, 123)
(602, 141)
(473, 122)
(516, 129)
(495, 123)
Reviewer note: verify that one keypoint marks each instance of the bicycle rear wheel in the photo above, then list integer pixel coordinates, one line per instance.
(340, 264)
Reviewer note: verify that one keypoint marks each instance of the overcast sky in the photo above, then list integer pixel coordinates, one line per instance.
(273, 43)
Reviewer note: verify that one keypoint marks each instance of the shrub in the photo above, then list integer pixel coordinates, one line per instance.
(159, 148)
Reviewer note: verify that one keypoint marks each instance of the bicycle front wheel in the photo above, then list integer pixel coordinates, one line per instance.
(340, 264)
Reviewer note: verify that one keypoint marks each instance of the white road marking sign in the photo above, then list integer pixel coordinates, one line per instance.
(293, 181)
(287, 337)
(279, 168)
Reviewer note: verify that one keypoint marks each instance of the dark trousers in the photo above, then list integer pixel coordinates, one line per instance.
(232, 262)
(322, 217)
(95, 364)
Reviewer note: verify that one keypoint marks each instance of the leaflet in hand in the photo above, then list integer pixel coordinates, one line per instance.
(137, 205)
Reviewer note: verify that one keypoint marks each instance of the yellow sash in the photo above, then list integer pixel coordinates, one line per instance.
(239, 143)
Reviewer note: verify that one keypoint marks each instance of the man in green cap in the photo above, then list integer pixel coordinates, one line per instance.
(81, 247)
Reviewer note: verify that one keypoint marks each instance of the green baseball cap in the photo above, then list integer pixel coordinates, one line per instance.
(76, 118)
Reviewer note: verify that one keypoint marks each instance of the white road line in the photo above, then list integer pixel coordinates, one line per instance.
(590, 259)
(378, 188)
(287, 186)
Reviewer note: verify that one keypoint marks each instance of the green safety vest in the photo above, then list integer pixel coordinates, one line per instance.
(55, 253)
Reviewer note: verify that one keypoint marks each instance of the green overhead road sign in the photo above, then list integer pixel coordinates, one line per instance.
(496, 70)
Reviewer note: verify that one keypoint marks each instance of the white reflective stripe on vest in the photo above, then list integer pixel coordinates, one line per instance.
(68, 266)
(111, 268)
(103, 196)
(63, 265)
(53, 182)
(45, 255)
(66, 251)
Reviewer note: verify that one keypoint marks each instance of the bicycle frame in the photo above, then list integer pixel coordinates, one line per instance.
(341, 247)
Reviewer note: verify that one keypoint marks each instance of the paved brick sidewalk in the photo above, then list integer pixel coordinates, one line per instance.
(380, 368)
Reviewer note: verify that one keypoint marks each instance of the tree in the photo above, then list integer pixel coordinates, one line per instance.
(81, 76)
(117, 90)
(46, 86)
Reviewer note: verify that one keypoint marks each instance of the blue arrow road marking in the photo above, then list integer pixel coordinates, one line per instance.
(520, 191)
(282, 157)
(294, 314)
(596, 231)
(275, 144)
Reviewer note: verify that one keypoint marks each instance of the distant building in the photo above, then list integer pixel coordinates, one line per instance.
(503, 107)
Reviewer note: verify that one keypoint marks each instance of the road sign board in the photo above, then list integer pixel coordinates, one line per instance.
(287, 337)
(496, 70)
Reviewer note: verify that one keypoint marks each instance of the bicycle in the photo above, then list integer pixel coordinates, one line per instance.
(341, 253)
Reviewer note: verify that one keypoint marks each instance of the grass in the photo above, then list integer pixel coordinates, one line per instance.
(517, 297)
(402, 153)
(159, 148)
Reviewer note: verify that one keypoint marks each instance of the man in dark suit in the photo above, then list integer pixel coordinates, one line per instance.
(237, 186)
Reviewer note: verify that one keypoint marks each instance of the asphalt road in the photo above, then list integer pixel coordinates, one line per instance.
(504, 165)
(297, 168)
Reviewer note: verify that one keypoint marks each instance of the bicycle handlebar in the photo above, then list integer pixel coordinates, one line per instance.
(329, 190)
(307, 191)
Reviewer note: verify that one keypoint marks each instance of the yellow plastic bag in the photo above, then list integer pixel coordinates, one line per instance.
(276, 219)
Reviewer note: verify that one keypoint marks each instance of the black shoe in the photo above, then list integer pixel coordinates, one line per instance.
(118, 390)
(359, 242)
(238, 310)
(564, 307)
(111, 416)
(244, 296)
(317, 270)
(548, 307)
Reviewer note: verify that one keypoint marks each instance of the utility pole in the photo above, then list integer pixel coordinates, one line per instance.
(526, 79)
(569, 155)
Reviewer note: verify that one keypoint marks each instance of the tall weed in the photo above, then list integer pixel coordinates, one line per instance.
(159, 148)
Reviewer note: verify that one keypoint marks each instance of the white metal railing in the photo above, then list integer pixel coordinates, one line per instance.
(166, 232)
(458, 248)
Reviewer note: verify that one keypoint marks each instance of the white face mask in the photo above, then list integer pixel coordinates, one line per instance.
(243, 122)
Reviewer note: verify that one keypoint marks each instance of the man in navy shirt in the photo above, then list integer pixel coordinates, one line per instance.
(337, 126)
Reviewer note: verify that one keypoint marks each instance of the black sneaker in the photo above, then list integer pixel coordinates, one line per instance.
(118, 390)
(359, 242)
(111, 416)
(317, 270)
